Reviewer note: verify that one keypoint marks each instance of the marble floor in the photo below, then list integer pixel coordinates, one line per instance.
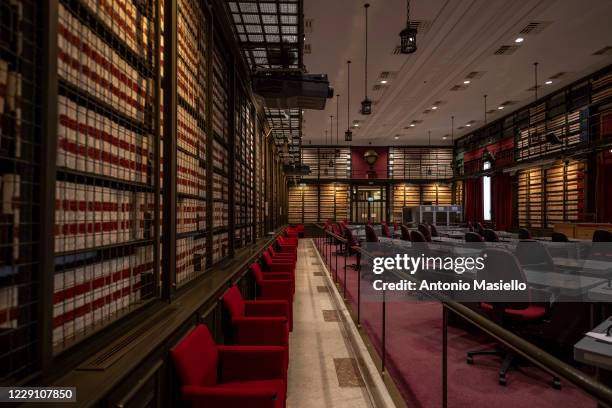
(322, 369)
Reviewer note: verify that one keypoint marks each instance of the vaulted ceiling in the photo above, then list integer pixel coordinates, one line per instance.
(458, 40)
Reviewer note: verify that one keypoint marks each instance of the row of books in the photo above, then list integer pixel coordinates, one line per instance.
(94, 143)
(189, 135)
(125, 21)
(220, 246)
(190, 175)
(10, 110)
(86, 61)
(220, 187)
(190, 259)
(191, 62)
(88, 216)
(190, 215)
(10, 189)
(9, 309)
(87, 296)
(220, 214)
(220, 157)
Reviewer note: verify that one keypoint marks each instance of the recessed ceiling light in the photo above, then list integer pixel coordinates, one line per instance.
(412, 125)
(519, 40)
(500, 107)
(356, 125)
(468, 124)
(443, 137)
(467, 81)
(548, 82)
(396, 137)
(434, 107)
(383, 81)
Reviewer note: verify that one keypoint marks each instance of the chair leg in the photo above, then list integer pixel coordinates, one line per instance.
(508, 360)
(471, 354)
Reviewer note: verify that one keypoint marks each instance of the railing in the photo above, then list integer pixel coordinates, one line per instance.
(334, 249)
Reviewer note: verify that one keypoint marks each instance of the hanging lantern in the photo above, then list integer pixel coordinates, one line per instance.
(348, 136)
(366, 106)
(408, 43)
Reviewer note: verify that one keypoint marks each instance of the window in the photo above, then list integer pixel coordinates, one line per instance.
(486, 193)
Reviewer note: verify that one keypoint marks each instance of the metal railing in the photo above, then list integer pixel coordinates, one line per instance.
(331, 246)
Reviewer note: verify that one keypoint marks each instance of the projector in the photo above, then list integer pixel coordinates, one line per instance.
(287, 89)
(297, 170)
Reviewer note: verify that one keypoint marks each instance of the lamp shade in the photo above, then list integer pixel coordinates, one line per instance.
(366, 106)
(348, 136)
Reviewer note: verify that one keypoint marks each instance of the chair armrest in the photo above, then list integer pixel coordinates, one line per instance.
(246, 363)
(265, 331)
(281, 267)
(220, 397)
(269, 275)
(266, 308)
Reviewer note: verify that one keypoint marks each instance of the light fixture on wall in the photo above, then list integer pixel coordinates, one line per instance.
(366, 104)
(348, 134)
(408, 43)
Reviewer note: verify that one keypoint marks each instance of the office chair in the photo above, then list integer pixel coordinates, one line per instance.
(417, 236)
(434, 230)
(469, 226)
(559, 237)
(489, 235)
(229, 376)
(524, 233)
(405, 233)
(473, 237)
(351, 242)
(370, 234)
(273, 285)
(479, 228)
(514, 312)
(425, 231)
(602, 236)
(534, 254)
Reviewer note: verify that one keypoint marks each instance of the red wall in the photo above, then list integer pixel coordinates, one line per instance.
(360, 167)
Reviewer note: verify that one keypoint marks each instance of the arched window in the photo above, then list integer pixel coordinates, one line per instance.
(486, 193)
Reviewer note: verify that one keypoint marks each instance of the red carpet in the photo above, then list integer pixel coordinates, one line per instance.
(414, 356)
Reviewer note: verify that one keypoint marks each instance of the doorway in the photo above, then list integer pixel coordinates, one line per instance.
(368, 202)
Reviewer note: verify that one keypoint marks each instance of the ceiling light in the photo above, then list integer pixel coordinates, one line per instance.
(500, 107)
(396, 137)
(519, 40)
(408, 35)
(383, 81)
(356, 125)
(412, 125)
(548, 82)
(443, 137)
(434, 107)
(468, 124)
(467, 81)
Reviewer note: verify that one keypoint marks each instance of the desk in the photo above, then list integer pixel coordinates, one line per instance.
(568, 285)
(595, 352)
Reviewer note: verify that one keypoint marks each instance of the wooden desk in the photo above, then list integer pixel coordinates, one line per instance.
(581, 230)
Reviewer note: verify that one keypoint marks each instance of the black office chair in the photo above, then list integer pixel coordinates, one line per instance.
(425, 232)
(514, 312)
(417, 236)
(535, 255)
(479, 228)
(489, 235)
(558, 237)
(473, 237)
(385, 230)
(351, 242)
(371, 234)
(524, 233)
(434, 231)
(405, 233)
(602, 236)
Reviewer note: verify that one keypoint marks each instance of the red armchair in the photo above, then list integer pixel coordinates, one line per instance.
(274, 285)
(285, 245)
(277, 265)
(230, 376)
(282, 256)
(258, 322)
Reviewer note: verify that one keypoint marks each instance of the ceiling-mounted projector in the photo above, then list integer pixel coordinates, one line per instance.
(291, 88)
